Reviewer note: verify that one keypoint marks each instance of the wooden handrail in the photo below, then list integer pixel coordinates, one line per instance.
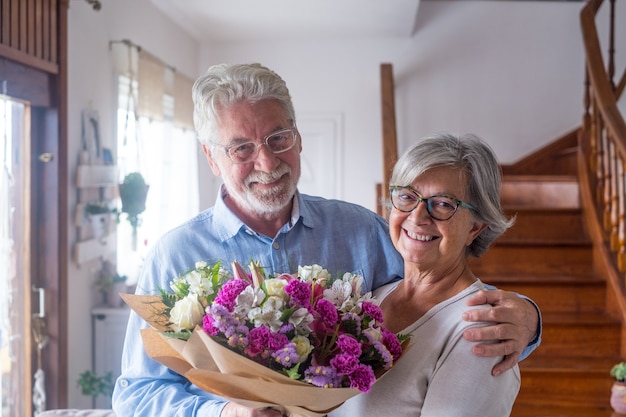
(602, 158)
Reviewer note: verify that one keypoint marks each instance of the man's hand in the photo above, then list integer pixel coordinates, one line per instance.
(235, 410)
(516, 319)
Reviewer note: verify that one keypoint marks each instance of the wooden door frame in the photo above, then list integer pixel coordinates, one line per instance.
(44, 86)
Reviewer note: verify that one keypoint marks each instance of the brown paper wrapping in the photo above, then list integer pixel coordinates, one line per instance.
(221, 371)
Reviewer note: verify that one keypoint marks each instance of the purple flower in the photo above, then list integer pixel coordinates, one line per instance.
(277, 341)
(384, 354)
(300, 292)
(362, 378)
(348, 344)
(286, 356)
(344, 363)
(373, 311)
(258, 340)
(208, 325)
(392, 343)
(227, 295)
(327, 311)
(322, 376)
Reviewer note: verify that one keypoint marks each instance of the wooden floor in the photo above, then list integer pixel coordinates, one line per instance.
(547, 256)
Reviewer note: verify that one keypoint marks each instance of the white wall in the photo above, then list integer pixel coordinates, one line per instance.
(511, 72)
(92, 84)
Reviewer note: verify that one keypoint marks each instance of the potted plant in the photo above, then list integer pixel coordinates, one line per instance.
(94, 385)
(99, 215)
(133, 193)
(618, 391)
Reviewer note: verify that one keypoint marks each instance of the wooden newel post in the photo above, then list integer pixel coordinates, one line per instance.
(390, 145)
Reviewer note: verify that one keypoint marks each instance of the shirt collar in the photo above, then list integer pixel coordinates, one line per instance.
(229, 224)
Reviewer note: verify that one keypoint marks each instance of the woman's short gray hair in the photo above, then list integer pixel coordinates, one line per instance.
(223, 85)
(477, 160)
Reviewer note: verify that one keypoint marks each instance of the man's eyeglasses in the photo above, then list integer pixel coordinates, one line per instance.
(439, 207)
(277, 142)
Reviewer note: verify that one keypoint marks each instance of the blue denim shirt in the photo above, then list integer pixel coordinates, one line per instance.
(339, 236)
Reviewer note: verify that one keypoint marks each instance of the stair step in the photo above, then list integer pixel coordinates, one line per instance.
(556, 191)
(556, 293)
(525, 410)
(546, 226)
(586, 335)
(558, 380)
(570, 259)
(575, 388)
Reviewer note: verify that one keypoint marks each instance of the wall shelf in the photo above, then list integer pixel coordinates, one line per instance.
(95, 184)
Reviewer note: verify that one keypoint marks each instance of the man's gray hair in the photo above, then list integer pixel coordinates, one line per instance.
(224, 85)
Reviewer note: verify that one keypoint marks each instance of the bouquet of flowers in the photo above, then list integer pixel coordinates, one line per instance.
(305, 330)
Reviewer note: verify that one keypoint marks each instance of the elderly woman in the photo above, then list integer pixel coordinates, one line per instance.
(445, 194)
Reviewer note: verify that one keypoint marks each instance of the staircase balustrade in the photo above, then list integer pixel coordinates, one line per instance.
(602, 154)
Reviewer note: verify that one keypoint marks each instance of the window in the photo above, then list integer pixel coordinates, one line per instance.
(166, 156)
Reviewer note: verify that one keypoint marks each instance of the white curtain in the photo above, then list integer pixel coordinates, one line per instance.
(166, 156)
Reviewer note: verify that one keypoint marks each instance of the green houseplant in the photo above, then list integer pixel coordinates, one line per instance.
(133, 193)
(619, 372)
(618, 391)
(94, 385)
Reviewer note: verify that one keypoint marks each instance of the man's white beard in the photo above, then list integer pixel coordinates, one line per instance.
(272, 200)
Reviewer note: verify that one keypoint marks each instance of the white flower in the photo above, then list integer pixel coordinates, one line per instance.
(198, 284)
(275, 287)
(301, 318)
(187, 313)
(356, 281)
(373, 334)
(303, 347)
(248, 299)
(269, 314)
(339, 294)
(313, 272)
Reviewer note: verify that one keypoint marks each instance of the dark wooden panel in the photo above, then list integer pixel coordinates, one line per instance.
(29, 30)
(26, 83)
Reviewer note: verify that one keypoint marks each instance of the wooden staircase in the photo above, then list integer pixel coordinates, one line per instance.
(548, 256)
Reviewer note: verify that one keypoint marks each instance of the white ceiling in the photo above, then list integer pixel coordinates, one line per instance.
(242, 20)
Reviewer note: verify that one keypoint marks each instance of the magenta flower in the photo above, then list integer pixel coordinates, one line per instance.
(208, 325)
(258, 340)
(362, 378)
(373, 311)
(392, 343)
(227, 296)
(344, 363)
(300, 293)
(327, 311)
(348, 344)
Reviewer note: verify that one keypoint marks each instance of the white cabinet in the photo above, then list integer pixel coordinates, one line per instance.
(109, 329)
